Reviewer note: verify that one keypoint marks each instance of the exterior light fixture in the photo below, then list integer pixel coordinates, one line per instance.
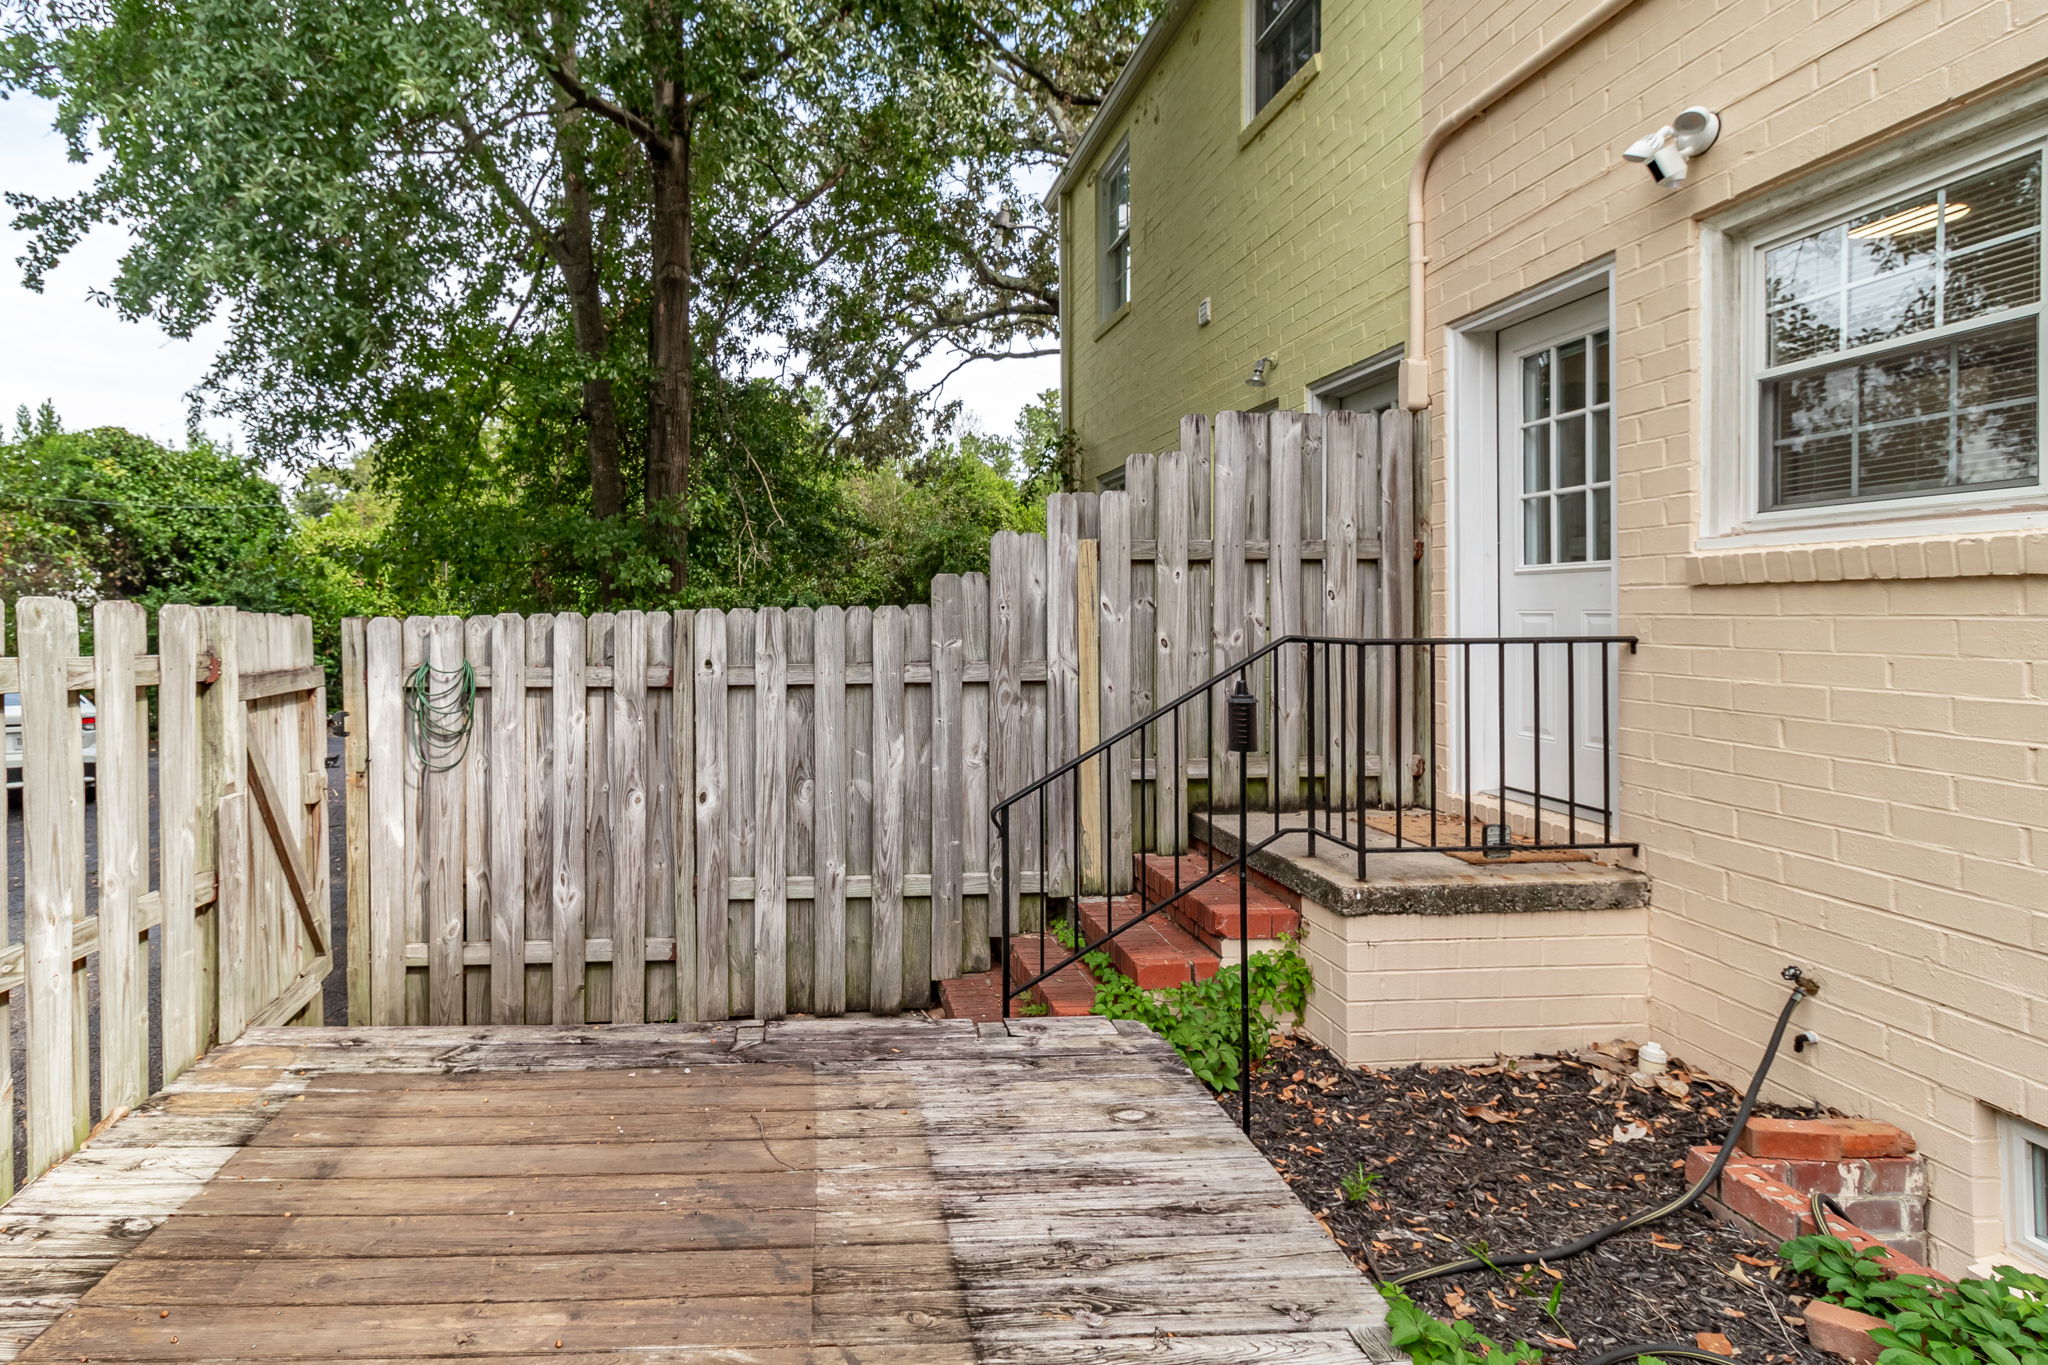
(1257, 378)
(1244, 720)
(1667, 151)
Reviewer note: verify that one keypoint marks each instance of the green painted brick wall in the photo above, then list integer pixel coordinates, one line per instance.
(1296, 233)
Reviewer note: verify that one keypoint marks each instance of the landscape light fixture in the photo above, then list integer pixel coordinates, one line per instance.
(1667, 151)
(1257, 378)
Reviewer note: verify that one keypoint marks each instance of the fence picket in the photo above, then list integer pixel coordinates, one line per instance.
(628, 818)
(708, 665)
(975, 830)
(120, 634)
(566, 816)
(476, 817)
(540, 820)
(948, 771)
(1176, 644)
(885, 980)
(507, 805)
(799, 635)
(666, 809)
(1115, 648)
(53, 873)
(771, 818)
(1295, 444)
(828, 911)
(441, 802)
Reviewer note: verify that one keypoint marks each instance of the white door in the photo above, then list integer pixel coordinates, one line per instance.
(1556, 475)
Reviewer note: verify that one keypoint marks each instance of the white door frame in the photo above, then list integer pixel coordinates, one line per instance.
(1472, 544)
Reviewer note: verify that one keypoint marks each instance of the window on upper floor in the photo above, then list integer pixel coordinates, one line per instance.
(2026, 1165)
(1286, 34)
(1113, 230)
(1895, 349)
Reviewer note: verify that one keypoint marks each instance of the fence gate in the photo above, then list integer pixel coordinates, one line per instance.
(229, 915)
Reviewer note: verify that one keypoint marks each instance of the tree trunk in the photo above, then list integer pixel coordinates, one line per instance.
(575, 250)
(593, 335)
(670, 353)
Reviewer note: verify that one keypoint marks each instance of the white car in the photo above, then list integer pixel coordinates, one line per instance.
(89, 738)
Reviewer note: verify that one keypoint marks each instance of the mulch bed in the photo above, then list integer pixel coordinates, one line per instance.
(1521, 1155)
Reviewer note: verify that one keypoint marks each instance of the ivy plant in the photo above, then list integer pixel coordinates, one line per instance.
(1428, 1340)
(1998, 1321)
(1201, 1018)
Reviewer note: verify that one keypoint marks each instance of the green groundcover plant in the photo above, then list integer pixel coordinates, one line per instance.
(1200, 1019)
(1998, 1321)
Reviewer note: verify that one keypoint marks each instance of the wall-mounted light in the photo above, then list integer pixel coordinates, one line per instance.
(1257, 378)
(1667, 151)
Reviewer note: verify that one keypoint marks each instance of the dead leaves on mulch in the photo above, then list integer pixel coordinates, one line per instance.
(1519, 1154)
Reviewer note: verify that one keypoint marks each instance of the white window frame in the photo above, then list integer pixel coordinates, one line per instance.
(1109, 240)
(1253, 34)
(1733, 447)
(2021, 1171)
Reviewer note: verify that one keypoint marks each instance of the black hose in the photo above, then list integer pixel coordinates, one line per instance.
(1802, 987)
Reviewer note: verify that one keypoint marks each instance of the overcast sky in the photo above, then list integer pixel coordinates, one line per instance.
(101, 371)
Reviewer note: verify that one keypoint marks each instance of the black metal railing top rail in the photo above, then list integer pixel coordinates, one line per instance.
(1350, 742)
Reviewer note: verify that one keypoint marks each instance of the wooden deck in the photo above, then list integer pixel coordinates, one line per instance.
(901, 1191)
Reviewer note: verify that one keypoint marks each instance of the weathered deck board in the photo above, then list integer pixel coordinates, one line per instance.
(797, 1192)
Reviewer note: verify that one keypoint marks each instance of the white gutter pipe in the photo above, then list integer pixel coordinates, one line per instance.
(1414, 359)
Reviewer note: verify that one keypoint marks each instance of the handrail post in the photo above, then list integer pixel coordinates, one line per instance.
(1003, 844)
(1242, 739)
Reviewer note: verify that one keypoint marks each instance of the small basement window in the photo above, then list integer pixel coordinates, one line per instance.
(1286, 34)
(2026, 1158)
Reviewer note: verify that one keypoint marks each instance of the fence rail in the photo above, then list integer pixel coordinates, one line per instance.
(229, 920)
(749, 813)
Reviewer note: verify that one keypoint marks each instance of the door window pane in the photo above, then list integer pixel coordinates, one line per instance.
(1571, 528)
(1536, 531)
(1571, 377)
(1571, 450)
(1536, 386)
(1535, 459)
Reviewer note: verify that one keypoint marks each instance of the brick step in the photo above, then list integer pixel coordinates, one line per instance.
(1157, 954)
(977, 996)
(1211, 913)
(1067, 992)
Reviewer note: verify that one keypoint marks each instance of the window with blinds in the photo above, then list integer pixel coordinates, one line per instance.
(1901, 346)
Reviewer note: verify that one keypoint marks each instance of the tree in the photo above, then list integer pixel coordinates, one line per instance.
(408, 212)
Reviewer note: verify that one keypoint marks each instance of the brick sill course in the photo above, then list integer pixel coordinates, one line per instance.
(1991, 555)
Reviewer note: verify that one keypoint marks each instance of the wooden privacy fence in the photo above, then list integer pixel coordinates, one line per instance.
(712, 814)
(231, 911)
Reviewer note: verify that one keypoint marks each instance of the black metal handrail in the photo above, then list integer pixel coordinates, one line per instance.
(1350, 726)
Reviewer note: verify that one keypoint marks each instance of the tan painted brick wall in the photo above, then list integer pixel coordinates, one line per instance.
(1831, 757)
(1394, 989)
(1296, 237)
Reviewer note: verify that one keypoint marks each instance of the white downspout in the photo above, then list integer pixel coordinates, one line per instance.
(1414, 358)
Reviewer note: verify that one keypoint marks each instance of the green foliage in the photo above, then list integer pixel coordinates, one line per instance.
(1428, 1340)
(1201, 1019)
(1998, 1321)
(1851, 1277)
(1358, 1186)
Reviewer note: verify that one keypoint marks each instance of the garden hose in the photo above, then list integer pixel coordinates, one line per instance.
(441, 704)
(1802, 986)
